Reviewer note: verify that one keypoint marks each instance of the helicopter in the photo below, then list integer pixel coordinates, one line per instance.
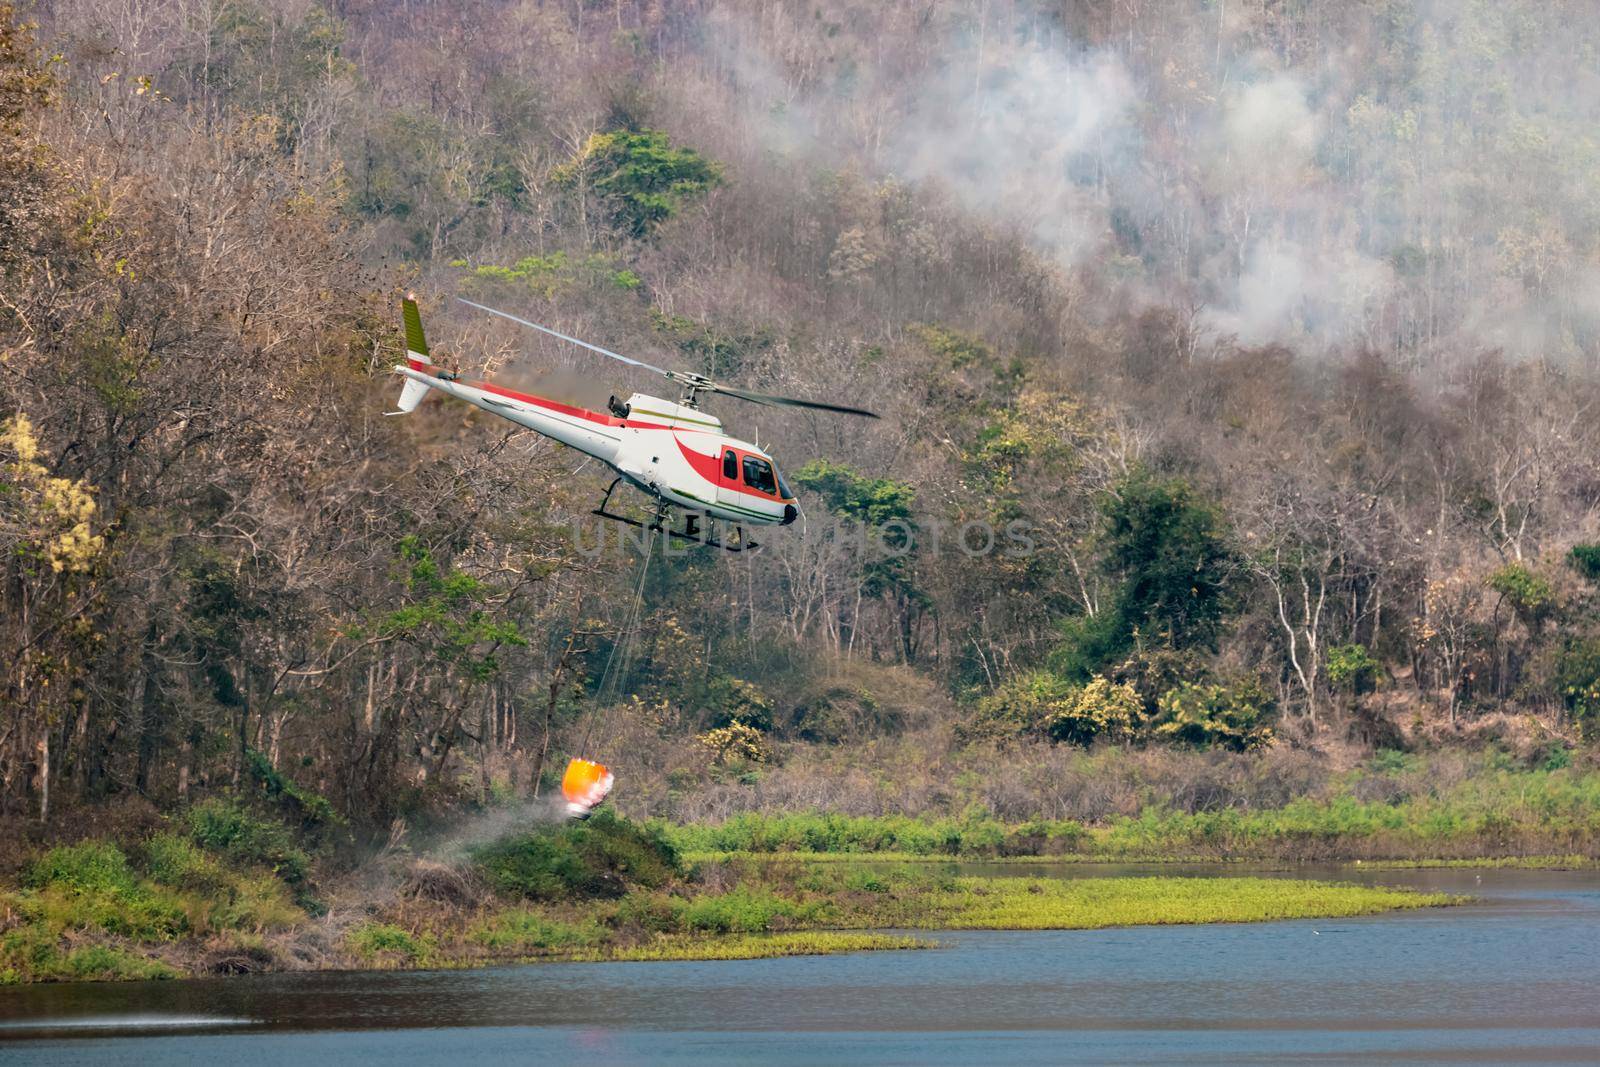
(675, 453)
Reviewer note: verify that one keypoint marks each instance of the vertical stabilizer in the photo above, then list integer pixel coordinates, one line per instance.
(416, 354)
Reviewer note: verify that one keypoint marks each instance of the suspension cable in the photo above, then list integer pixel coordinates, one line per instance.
(626, 637)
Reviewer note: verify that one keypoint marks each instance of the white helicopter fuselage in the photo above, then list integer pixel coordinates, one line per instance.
(675, 453)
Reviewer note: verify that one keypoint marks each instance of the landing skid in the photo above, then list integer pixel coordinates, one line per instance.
(690, 531)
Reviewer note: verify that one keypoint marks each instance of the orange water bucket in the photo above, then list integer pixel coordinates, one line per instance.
(585, 784)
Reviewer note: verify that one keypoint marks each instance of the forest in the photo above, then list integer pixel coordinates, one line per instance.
(1236, 364)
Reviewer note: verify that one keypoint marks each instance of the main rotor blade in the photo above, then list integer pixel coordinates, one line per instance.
(792, 402)
(564, 337)
(694, 381)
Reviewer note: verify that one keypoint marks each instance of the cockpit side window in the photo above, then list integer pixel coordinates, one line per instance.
(758, 475)
(730, 465)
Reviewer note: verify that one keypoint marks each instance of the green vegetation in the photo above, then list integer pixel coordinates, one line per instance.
(1577, 679)
(233, 831)
(1585, 559)
(1093, 903)
(382, 944)
(1227, 715)
(525, 932)
(597, 858)
(553, 273)
(639, 176)
(754, 946)
(1507, 813)
(608, 889)
(88, 911)
(744, 906)
(1353, 669)
(1165, 548)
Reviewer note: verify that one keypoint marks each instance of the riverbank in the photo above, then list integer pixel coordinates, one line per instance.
(1404, 987)
(608, 889)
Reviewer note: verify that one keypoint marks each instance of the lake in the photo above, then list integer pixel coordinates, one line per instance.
(1514, 978)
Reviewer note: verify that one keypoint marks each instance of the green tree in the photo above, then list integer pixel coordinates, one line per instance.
(1578, 681)
(1165, 549)
(639, 177)
(1168, 547)
(1585, 559)
(1531, 596)
(1353, 668)
(448, 613)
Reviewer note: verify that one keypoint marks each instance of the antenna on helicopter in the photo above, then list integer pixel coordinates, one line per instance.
(693, 384)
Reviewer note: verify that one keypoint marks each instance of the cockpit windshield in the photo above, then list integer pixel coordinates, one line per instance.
(783, 486)
(758, 475)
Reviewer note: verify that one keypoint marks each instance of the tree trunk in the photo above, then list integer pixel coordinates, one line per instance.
(42, 779)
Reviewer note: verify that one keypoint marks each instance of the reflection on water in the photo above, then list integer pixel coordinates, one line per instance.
(122, 1022)
(1511, 980)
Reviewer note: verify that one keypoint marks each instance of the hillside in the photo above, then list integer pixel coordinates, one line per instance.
(1237, 365)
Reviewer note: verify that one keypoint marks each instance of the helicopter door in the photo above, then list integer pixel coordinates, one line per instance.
(728, 483)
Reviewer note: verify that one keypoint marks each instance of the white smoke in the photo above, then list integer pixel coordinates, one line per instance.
(1287, 292)
(1272, 184)
(1269, 134)
(1030, 145)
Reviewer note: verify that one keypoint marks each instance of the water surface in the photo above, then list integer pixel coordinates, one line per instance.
(1512, 979)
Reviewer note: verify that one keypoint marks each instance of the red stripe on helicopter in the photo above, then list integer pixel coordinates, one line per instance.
(550, 405)
(707, 467)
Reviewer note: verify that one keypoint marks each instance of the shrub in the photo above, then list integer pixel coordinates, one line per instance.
(140, 915)
(745, 911)
(1101, 709)
(1153, 671)
(217, 896)
(92, 866)
(1391, 761)
(1024, 705)
(1230, 716)
(90, 885)
(528, 931)
(373, 941)
(737, 743)
(313, 812)
(1089, 642)
(256, 904)
(656, 913)
(176, 861)
(731, 701)
(598, 858)
(227, 828)
(100, 962)
(33, 953)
